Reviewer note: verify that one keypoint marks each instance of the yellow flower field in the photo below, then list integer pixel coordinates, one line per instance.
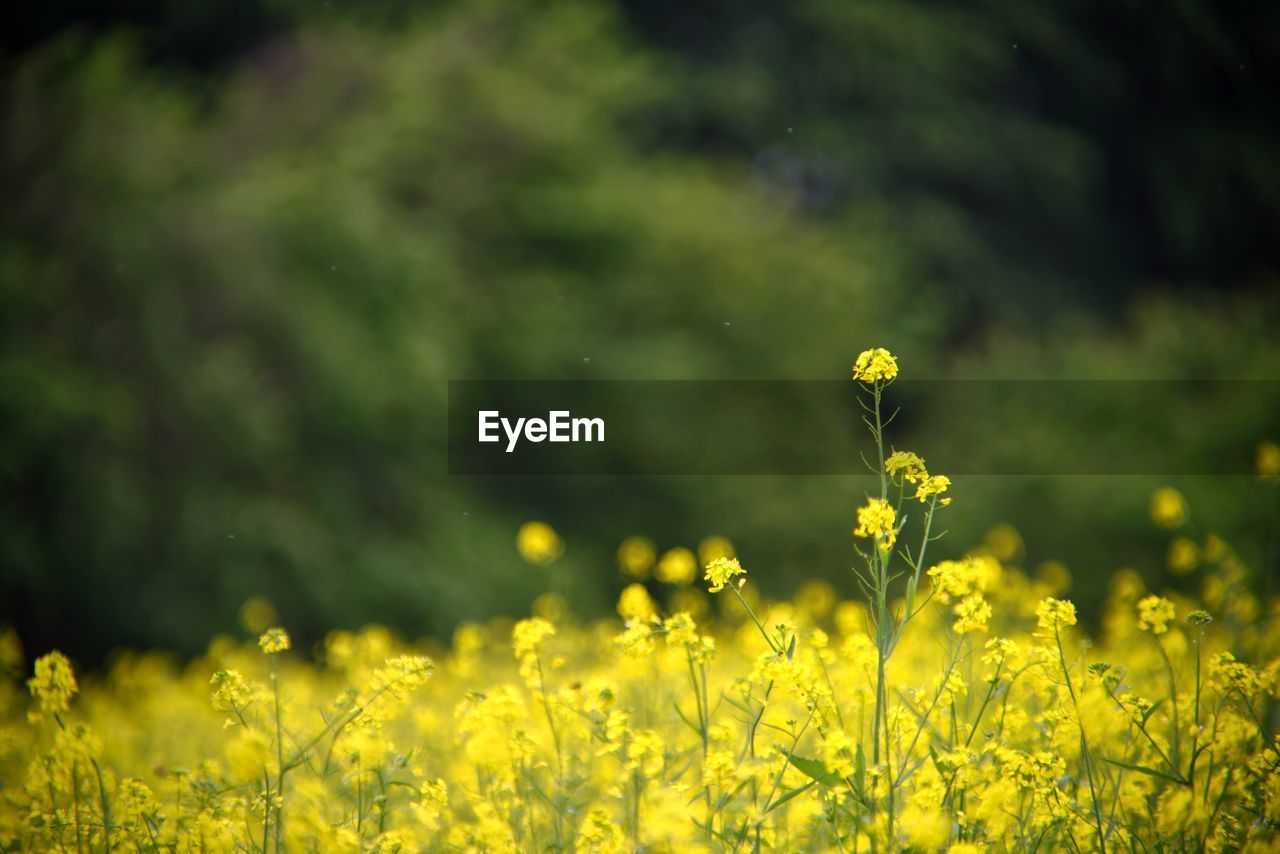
(924, 705)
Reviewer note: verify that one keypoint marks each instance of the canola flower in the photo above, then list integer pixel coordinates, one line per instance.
(1168, 507)
(875, 366)
(538, 543)
(954, 705)
(878, 520)
(722, 571)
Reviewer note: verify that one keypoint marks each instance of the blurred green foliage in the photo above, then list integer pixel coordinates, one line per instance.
(232, 299)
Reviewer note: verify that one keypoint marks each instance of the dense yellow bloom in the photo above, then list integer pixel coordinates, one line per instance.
(539, 543)
(972, 614)
(877, 519)
(54, 683)
(815, 724)
(1168, 508)
(274, 641)
(956, 579)
(874, 366)
(636, 556)
(1053, 614)
(722, 571)
(1155, 614)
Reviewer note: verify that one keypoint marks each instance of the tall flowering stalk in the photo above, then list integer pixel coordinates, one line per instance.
(881, 521)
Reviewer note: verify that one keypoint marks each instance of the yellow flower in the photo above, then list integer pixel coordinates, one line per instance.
(874, 366)
(54, 683)
(634, 603)
(257, 614)
(910, 465)
(1154, 614)
(721, 571)
(274, 641)
(713, 547)
(677, 566)
(1268, 461)
(1053, 614)
(1004, 541)
(636, 639)
(528, 634)
(636, 556)
(1168, 508)
(539, 543)
(933, 485)
(972, 614)
(1183, 555)
(877, 519)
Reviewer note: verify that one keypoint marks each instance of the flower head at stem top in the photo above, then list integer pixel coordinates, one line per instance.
(1154, 614)
(722, 571)
(875, 366)
(274, 641)
(54, 683)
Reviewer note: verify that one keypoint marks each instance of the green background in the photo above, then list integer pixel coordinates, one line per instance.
(245, 246)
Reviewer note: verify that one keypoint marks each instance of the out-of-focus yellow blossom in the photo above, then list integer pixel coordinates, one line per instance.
(636, 556)
(1268, 461)
(714, 547)
(257, 614)
(54, 683)
(635, 603)
(1054, 614)
(1054, 575)
(538, 543)
(972, 614)
(677, 566)
(1004, 542)
(1155, 613)
(1168, 507)
(877, 519)
(875, 366)
(722, 571)
(1183, 556)
(274, 640)
(816, 598)
(550, 606)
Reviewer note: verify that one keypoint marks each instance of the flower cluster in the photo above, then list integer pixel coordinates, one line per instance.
(871, 715)
(722, 571)
(875, 366)
(877, 519)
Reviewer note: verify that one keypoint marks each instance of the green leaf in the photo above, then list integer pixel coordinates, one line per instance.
(815, 769)
(791, 794)
(690, 723)
(1144, 770)
(1149, 712)
(937, 763)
